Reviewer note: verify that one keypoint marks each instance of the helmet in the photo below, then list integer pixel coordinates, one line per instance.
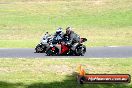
(68, 30)
(47, 33)
(59, 31)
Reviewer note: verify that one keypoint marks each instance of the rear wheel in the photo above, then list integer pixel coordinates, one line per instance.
(52, 51)
(80, 50)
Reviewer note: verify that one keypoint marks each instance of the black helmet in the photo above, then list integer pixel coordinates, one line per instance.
(68, 30)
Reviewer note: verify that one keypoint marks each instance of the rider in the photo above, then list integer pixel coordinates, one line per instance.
(73, 37)
(46, 37)
(58, 35)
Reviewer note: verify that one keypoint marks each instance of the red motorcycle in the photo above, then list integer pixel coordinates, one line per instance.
(77, 49)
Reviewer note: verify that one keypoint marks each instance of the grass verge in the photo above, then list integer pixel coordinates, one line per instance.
(102, 22)
(58, 73)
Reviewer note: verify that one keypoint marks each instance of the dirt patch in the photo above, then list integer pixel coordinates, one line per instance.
(7, 70)
(98, 2)
(61, 69)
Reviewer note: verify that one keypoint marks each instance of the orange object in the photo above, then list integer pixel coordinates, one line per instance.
(81, 71)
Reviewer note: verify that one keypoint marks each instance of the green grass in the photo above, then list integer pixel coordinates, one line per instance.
(103, 22)
(58, 73)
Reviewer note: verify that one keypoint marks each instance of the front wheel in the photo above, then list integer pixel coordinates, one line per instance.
(39, 49)
(52, 51)
(80, 50)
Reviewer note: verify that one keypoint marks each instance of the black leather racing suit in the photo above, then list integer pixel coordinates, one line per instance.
(73, 38)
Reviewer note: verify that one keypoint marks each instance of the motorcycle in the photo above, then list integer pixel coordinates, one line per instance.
(63, 49)
(42, 46)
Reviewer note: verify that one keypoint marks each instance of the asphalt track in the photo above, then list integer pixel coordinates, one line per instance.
(92, 52)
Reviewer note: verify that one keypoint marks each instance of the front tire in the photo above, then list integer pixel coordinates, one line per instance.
(39, 49)
(52, 51)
